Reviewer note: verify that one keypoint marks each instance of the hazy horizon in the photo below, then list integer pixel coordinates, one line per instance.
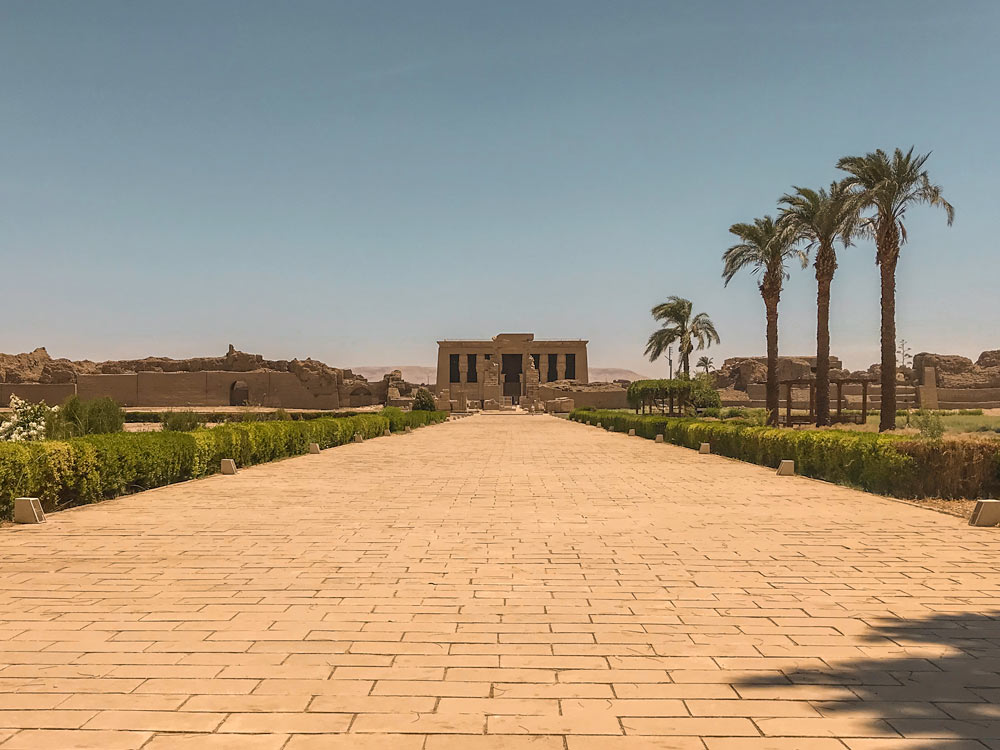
(352, 182)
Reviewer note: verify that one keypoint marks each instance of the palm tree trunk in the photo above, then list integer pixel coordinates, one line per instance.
(887, 420)
(771, 307)
(823, 349)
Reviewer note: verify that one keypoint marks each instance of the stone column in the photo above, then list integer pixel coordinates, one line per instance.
(442, 373)
(463, 368)
(927, 395)
(543, 367)
(480, 375)
(561, 367)
(582, 367)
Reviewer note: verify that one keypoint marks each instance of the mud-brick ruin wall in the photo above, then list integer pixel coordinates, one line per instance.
(50, 393)
(209, 388)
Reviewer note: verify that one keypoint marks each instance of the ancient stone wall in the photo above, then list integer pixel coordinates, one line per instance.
(955, 371)
(237, 377)
(598, 398)
(50, 393)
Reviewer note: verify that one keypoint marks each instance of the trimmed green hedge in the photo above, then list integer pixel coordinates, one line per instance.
(886, 464)
(96, 467)
(238, 416)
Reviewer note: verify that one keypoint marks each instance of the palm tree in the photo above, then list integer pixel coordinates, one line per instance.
(705, 363)
(681, 327)
(888, 186)
(764, 249)
(821, 219)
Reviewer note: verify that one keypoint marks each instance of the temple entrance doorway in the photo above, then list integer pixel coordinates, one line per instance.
(510, 370)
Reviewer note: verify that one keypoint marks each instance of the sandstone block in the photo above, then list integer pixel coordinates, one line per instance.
(659, 438)
(314, 448)
(28, 510)
(705, 448)
(358, 438)
(386, 433)
(228, 466)
(986, 513)
(631, 432)
(786, 468)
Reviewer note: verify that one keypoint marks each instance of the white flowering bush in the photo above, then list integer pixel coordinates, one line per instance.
(26, 421)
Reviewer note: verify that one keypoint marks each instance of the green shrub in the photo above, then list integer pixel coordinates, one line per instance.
(422, 418)
(930, 425)
(396, 417)
(227, 416)
(885, 464)
(423, 401)
(77, 417)
(703, 394)
(181, 421)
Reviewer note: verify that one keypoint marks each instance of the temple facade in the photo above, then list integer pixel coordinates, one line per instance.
(508, 365)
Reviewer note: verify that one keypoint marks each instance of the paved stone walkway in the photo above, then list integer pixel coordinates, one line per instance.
(500, 582)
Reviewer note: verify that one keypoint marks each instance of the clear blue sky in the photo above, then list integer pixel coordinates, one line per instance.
(354, 180)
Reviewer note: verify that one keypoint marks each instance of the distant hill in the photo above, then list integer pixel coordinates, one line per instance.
(608, 374)
(419, 374)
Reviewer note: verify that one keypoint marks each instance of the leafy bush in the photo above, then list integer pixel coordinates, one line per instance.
(703, 394)
(397, 418)
(219, 417)
(76, 417)
(887, 464)
(26, 421)
(930, 425)
(422, 418)
(94, 467)
(181, 421)
(423, 401)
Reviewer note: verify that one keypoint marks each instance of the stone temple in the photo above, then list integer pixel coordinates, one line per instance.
(509, 366)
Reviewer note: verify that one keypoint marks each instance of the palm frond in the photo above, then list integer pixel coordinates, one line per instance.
(766, 246)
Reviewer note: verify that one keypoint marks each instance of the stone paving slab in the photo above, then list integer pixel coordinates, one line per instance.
(500, 582)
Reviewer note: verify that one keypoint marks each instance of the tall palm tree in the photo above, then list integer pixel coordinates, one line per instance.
(821, 219)
(888, 186)
(764, 249)
(705, 363)
(681, 327)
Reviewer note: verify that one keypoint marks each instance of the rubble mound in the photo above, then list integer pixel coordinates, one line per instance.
(572, 385)
(955, 371)
(739, 372)
(36, 367)
(989, 358)
(39, 367)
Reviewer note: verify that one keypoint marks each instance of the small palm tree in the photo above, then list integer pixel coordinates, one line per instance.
(821, 219)
(705, 363)
(888, 186)
(764, 249)
(681, 327)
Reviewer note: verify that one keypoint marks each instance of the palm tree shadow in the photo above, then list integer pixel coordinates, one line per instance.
(928, 680)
